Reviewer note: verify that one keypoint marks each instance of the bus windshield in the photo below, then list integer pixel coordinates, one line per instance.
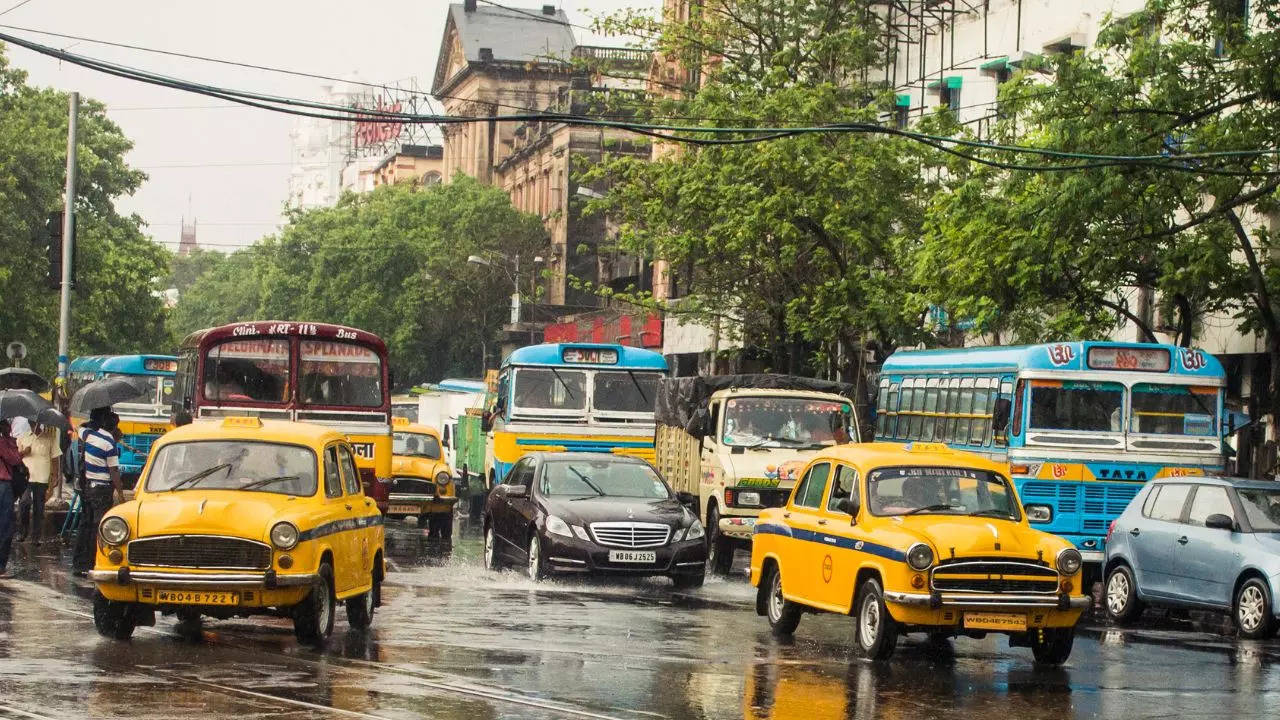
(548, 389)
(247, 371)
(786, 422)
(1174, 409)
(625, 391)
(1076, 405)
(339, 373)
(151, 388)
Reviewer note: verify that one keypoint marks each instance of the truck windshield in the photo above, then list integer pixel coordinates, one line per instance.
(786, 422)
(547, 389)
(1077, 405)
(631, 392)
(234, 465)
(1174, 409)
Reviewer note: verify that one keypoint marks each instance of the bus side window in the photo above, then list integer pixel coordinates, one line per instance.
(1018, 393)
(930, 407)
(980, 427)
(882, 403)
(891, 412)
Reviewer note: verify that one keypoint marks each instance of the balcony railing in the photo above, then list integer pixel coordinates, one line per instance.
(612, 54)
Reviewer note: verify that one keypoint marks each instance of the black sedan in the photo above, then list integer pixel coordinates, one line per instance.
(592, 513)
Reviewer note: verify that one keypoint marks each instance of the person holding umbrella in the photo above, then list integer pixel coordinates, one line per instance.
(101, 471)
(9, 457)
(40, 449)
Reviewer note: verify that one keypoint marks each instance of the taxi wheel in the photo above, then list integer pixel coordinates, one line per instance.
(1121, 596)
(1052, 646)
(112, 619)
(360, 608)
(424, 520)
(313, 617)
(1253, 610)
(442, 526)
(492, 558)
(877, 631)
(719, 548)
(783, 614)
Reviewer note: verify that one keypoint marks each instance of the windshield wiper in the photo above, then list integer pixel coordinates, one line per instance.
(930, 508)
(562, 382)
(639, 389)
(771, 438)
(265, 481)
(200, 476)
(587, 480)
(991, 512)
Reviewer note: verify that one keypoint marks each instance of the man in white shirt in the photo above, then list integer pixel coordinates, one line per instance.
(40, 448)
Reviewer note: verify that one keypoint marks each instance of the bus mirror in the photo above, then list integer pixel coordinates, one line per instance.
(1000, 414)
(486, 421)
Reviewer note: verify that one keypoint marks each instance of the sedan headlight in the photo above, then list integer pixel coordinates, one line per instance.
(696, 531)
(1069, 561)
(114, 530)
(1039, 513)
(556, 526)
(920, 556)
(284, 535)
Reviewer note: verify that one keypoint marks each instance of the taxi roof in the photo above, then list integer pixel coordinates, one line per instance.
(883, 454)
(240, 428)
(412, 427)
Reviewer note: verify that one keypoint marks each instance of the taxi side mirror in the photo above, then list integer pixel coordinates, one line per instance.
(850, 508)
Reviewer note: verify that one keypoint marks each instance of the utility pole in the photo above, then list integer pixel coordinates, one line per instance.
(68, 239)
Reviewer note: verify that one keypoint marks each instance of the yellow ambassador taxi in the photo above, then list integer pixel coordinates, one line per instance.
(240, 517)
(915, 538)
(421, 480)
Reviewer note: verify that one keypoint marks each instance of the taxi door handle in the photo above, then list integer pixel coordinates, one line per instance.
(1135, 532)
(348, 506)
(1182, 540)
(822, 521)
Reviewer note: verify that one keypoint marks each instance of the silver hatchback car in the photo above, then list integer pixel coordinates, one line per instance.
(1198, 542)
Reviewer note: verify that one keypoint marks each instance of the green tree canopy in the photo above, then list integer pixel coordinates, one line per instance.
(393, 262)
(114, 308)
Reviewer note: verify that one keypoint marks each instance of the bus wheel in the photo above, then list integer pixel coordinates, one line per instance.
(719, 548)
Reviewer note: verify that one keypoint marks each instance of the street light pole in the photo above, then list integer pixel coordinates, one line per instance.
(68, 239)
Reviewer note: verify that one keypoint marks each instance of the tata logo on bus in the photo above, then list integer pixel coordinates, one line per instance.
(1061, 354)
(1192, 359)
(1129, 358)
(363, 450)
(590, 356)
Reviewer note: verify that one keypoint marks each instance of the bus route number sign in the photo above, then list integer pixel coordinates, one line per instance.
(1122, 358)
(590, 356)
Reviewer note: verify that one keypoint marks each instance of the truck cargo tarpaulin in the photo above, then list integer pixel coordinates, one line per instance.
(679, 398)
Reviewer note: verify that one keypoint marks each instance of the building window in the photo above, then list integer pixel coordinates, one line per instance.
(1233, 16)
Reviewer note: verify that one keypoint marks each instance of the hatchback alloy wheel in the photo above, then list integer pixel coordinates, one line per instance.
(1117, 593)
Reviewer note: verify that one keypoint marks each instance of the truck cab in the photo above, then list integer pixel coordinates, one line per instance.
(741, 444)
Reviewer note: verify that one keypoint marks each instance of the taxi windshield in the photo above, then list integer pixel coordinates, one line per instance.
(940, 490)
(415, 445)
(234, 465)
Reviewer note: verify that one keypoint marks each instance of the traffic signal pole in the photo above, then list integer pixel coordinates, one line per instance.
(68, 239)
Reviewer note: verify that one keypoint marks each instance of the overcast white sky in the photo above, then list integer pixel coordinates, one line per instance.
(228, 166)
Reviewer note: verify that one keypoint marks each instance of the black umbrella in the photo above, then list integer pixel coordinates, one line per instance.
(106, 392)
(22, 403)
(50, 417)
(14, 378)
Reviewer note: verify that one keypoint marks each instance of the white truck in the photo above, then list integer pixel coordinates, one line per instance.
(737, 443)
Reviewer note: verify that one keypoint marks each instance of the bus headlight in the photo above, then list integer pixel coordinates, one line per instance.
(920, 556)
(1039, 513)
(284, 535)
(114, 530)
(1069, 561)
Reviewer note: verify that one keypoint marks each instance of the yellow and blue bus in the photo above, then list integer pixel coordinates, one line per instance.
(1082, 424)
(581, 397)
(142, 419)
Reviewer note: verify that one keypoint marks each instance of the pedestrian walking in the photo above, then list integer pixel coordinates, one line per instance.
(9, 460)
(40, 448)
(100, 485)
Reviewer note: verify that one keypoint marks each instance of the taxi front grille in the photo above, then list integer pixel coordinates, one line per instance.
(412, 486)
(994, 576)
(200, 551)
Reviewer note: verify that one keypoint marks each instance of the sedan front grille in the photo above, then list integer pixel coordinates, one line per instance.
(200, 551)
(631, 534)
(994, 576)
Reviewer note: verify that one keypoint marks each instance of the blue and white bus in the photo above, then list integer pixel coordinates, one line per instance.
(1082, 424)
(142, 419)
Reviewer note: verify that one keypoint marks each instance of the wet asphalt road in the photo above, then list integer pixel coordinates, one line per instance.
(453, 641)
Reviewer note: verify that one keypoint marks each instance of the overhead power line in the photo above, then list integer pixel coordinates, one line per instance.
(688, 134)
(15, 7)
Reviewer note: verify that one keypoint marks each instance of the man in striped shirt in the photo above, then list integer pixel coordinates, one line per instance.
(101, 472)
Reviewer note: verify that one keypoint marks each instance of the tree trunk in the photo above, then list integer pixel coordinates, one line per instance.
(1265, 461)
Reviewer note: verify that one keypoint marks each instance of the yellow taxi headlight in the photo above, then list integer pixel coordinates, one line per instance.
(113, 530)
(920, 556)
(284, 535)
(1069, 561)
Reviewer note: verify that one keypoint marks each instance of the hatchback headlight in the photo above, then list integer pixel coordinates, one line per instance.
(696, 531)
(114, 530)
(1039, 513)
(556, 526)
(284, 535)
(1069, 561)
(920, 556)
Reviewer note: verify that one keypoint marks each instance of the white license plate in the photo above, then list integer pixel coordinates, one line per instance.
(403, 509)
(633, 556)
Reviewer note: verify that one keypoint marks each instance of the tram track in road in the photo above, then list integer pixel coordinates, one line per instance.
(458, 686)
